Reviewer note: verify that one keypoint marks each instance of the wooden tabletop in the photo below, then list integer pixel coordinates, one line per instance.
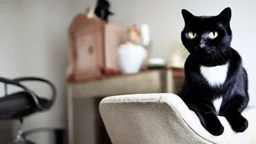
(177, 72)
(149, 81)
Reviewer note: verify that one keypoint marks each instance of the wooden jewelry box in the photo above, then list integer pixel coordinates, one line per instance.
(93, 46)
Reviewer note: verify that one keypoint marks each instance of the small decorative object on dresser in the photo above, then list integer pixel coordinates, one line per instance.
(131, 57)
(102, 10)
(130, 54)
(93, 46)
(146, 42)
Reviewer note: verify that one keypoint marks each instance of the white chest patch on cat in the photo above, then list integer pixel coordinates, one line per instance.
(215, 75)
(217, 103)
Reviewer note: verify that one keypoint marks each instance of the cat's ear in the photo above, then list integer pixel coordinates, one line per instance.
(187, 16)
(225, 15)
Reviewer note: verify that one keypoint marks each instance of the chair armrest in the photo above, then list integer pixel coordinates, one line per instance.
(11, 82)
(37, 79)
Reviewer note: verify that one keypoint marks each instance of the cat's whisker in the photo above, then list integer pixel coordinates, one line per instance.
(218, 55)
(228, 55)
(183, 53)
(209, 112)
(210, 107)
(224, 57)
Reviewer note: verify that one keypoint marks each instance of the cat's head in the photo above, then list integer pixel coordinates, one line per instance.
(207, 36)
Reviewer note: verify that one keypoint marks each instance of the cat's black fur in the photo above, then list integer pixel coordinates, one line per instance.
(197, 93)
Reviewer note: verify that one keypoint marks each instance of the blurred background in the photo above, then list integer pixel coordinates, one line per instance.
(35, 40)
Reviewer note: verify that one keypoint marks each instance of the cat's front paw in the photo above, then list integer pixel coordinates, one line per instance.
(239, 124)
(215, 129)
(212, 124)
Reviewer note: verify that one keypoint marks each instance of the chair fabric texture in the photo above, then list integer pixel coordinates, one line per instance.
(164, 119)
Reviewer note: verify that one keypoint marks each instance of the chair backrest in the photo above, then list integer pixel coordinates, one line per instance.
(164, 119)
(145, 119)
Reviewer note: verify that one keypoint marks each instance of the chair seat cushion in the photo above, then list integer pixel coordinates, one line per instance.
(18, 105)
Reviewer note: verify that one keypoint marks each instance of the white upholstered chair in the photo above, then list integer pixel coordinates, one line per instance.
(164, 119)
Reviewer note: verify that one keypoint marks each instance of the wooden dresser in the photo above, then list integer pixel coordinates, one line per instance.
(85, 126)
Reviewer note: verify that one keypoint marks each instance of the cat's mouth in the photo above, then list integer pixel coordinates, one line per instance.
(209, 54)
(207, 51)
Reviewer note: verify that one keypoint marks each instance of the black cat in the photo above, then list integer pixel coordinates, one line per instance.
(213, 72)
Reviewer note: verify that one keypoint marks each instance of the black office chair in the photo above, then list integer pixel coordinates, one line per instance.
(16, 106)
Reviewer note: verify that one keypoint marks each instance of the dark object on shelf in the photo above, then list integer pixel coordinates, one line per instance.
(102, 10)
(155, 67)
(18, 105)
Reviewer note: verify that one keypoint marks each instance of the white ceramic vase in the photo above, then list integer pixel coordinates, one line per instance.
(131, 57)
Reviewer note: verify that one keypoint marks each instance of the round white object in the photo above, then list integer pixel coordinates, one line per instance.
(131, 57)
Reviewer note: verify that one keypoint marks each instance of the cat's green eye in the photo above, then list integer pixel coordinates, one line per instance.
(213, 35)
(191, 35)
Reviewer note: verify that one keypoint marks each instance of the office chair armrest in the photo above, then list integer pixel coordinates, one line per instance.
(53, 88)
(11, 82)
